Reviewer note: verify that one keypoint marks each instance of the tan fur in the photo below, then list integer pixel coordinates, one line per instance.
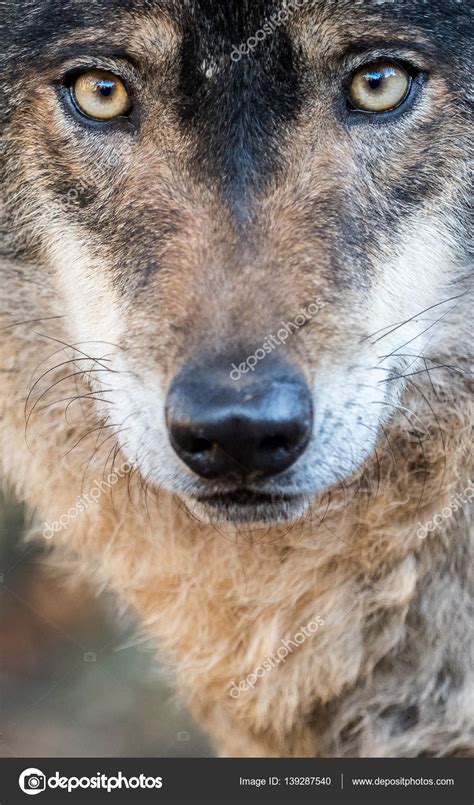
(217, 599)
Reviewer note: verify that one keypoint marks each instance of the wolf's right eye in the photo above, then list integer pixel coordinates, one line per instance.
(379, 87)
(100, 95)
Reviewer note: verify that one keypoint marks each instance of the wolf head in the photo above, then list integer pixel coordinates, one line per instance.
(256, 218)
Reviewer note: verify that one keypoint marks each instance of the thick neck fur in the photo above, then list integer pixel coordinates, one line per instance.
(389, 671)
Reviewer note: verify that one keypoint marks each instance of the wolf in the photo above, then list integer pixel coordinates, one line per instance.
(178, 191)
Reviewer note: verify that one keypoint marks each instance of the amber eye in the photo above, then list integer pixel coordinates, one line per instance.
(101, 95)
(379, 87)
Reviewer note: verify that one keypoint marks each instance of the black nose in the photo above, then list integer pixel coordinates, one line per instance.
(255, 427)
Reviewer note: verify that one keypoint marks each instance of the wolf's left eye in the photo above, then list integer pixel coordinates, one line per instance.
(379, 87)
(100, 95)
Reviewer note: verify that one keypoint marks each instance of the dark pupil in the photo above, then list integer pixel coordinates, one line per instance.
(375, 80)
(105, 87)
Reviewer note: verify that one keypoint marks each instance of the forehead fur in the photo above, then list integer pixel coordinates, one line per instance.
(33, 24)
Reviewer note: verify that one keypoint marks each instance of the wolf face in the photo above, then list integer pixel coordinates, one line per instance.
(255, 213)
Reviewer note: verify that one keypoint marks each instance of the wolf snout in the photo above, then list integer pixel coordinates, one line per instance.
(252, 429)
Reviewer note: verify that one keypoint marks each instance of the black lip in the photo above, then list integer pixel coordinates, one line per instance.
(246, 506)
(246, 497)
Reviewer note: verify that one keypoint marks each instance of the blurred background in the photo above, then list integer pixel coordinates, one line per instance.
(72, 682)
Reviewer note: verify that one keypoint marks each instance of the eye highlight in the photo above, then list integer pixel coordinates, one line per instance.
(379, 87)
(100, 95)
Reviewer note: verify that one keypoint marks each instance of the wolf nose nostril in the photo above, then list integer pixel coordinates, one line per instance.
(238, 446)
(221, 429)
(199, 446)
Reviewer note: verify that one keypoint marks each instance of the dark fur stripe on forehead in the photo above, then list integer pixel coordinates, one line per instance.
(237, 115)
